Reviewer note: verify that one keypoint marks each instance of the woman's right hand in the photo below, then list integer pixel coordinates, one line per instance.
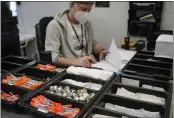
(84, 61)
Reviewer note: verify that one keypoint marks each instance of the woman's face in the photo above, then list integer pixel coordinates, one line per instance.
(83, 7)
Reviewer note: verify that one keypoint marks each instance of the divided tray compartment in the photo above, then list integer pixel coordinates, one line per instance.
(57, 81)
(107, 97)
(153, 72)
(167, 86)
(152, 58)
(25, 103)
(151, 63)
(33, 78)
(45, 63)
(34, 72)
(86, 79)
(115, 86)
(17, 60)
(133, 104)
(9, 67)
(15, 90)
(71, 87)
(4, 72)
(151, 53)
(13, 106)
(102, 111)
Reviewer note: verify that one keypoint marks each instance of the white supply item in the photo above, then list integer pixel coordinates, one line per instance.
(93, 73)
(89, 85)
(134, 112)
(130, 82)
(140, 96)
(153, 88)
(164, 46)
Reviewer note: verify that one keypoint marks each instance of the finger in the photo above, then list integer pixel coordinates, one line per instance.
(92, 59)
(105, 51)
(87, 62)
(101, 56)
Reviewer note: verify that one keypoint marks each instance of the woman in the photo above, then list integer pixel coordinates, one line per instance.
(70, 37)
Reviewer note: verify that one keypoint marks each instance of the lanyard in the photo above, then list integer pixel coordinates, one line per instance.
(82, 46)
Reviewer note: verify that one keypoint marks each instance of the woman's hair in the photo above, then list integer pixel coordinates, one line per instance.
(85, 2)
(82, 2)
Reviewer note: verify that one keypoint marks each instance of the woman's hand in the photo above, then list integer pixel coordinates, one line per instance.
(84, 61)
(103, 54)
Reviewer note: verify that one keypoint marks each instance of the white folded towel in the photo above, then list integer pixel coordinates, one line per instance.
(134, 112)
(140, 96)
(102, 116)
(93, 73)
(153, 88)
(89, 85)
(130, 82)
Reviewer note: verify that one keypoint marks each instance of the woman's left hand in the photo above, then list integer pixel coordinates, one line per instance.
(103, 54)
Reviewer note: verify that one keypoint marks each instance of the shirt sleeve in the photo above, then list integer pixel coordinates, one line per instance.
(53, 41)
(94, 38)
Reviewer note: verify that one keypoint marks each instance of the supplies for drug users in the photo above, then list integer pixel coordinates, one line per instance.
(140, 96)
(89, 85)
(135, 112)
(93, 73)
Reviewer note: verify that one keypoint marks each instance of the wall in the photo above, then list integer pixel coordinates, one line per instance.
(167, 16)
(107, 22)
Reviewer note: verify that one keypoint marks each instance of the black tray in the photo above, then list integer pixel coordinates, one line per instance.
(35, 113)
(160, 73)
(157, 59)
(58, 80)
(147, 52)
(151, 63)
(34, 72)
(71, 86)
(13, 106)
(9, 67)
(133, 89)
(108, 98)
(101, 111)
(58, 66)
(34, 78)
(17, 60)
(167, 86)
(4, 72)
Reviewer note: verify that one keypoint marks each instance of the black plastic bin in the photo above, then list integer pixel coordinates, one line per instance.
(167, 86)
(33, 78)
(38, 114)
(153, 72)
(4, 72)
(151, 63)
(108, 98)
(150, 53)
(57, 81)
(101, 111)
(58, 66)
(13, 106)
(152, 58)
(7, 66)
(115, 86)
(34, 72)
(17, 60)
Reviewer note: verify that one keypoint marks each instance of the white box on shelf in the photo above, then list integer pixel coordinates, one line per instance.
(164, 46)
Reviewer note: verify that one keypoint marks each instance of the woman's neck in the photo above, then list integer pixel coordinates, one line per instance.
(71, 18)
